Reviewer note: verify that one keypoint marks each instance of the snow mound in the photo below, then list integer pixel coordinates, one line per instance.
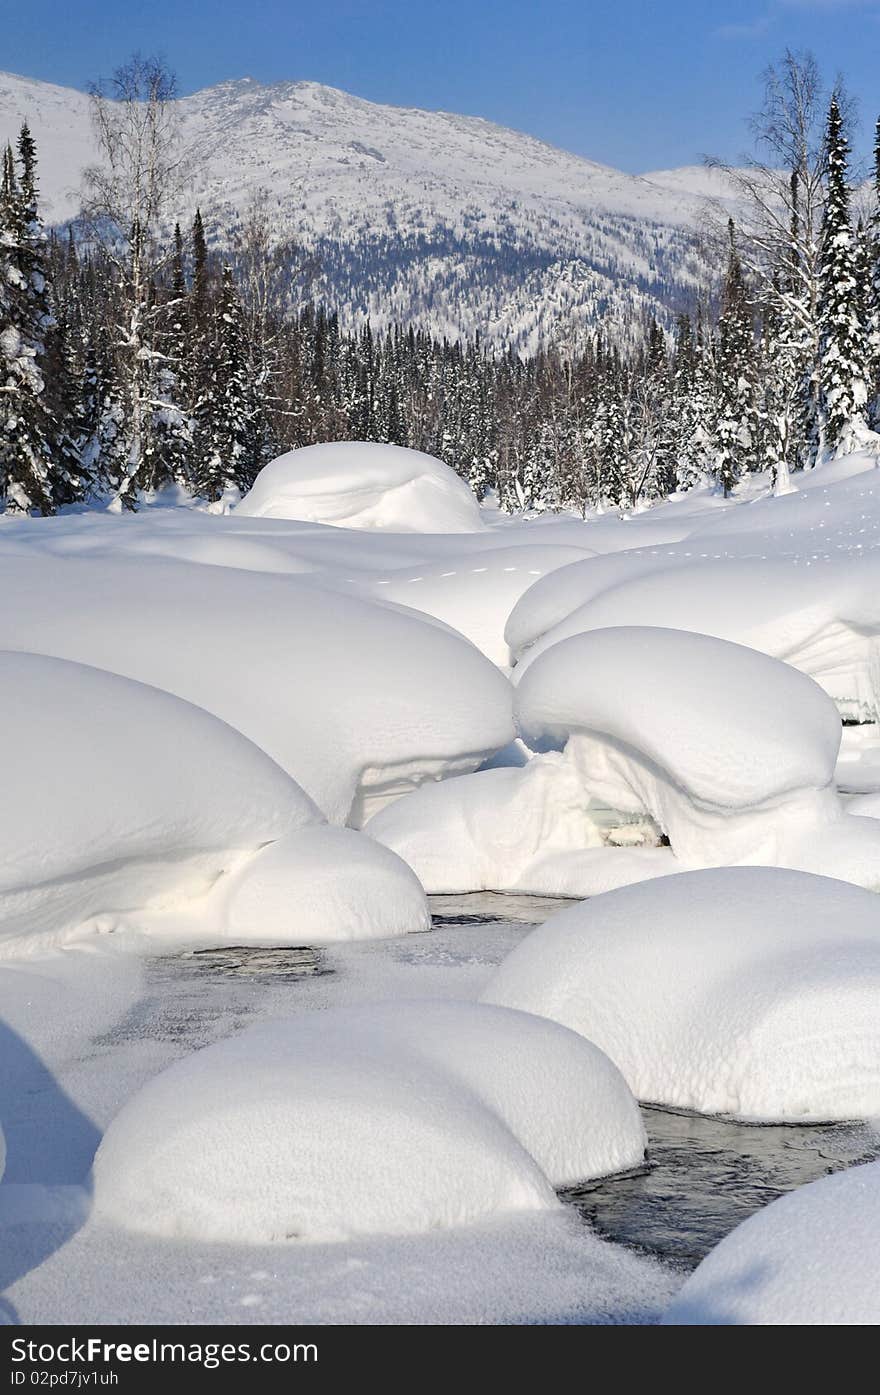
(727, 749)
(750, 992)
(474, 592)
(358, 484)
(117, 796)
(532, 829)
(394, 1119)
(357, 701)
(554, 597)
(811, 1258)
(320, 885)
(823, 620)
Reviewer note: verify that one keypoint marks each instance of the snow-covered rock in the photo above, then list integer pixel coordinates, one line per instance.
(538, 618)
(360, 484)
(822, 619)
(811, 1258)
(749, 992)
(319, 885)
(358, 701)
(532, 829)
(732, 753)
(117, 796)
(374, 1120)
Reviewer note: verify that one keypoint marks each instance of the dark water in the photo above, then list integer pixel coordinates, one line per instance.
(705, 1175)
(287, 962)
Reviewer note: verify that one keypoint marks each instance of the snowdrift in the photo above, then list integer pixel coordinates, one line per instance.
(117, 796)
(356, 700)
(357, 484)
(474, 592)
(533, 829)
(823, 620)
(810, 1258)
(318, 886)
(727, 754)
(388, 1119)
(731, 753)
(747, 992)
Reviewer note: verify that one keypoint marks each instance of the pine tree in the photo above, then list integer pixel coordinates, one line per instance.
(872, 337)
(26, 426)
(229, 425)
(168, 447)
(736, 430)
(70, 479)
(842, 367)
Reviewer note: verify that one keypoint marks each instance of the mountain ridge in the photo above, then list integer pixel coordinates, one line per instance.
(448, 219)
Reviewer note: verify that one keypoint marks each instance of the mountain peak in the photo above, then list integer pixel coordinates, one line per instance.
(436, 196)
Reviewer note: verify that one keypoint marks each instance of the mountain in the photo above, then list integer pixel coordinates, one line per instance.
(447, 220)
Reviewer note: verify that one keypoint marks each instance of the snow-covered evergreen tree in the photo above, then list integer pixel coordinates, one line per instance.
(27, 430)
(168, 438)
(737, 426)
(842, 367)
(229, 427)
(872, 335)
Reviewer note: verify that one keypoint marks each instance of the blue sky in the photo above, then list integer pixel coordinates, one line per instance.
(641, 84)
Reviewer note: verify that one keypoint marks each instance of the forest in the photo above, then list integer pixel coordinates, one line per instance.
(138, 355)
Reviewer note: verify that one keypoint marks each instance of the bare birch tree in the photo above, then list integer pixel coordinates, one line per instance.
(128, 196)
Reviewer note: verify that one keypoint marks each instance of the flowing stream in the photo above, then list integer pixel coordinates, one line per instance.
(703, 1175)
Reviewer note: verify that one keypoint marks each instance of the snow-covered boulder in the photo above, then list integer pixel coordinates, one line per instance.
(822, 619)
(532, 624)
(358, 484)
(117, 796)
(358, 701)
(731, 752)
(532, 829)
(811, 1258)
(749, 992)
(319, 885)
(387, 1119)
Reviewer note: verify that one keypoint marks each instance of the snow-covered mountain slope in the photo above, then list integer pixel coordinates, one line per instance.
(447, 219)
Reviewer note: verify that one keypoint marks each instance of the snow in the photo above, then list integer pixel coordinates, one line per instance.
(669, 695)
(476, 591)
(795, 577)
(823, 621)
(60, 1260)
(533, 829)
(164, 802)
(811, 1258)
(731, 753)
(355, 1123)
(188, 832)
(748, 992)
(189, 696)
(319, 885)
(357, 701)
(357, 484)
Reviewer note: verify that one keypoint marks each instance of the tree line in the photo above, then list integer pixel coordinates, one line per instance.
(135, 359)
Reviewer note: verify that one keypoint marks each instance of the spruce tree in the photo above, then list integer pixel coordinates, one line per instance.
(168, 447)
(872, 341)
(26, 426)
(736, 430)
(229, 425)
(842, 367)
